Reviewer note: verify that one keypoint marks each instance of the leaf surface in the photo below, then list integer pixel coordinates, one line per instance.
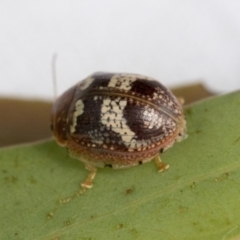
(197, 198)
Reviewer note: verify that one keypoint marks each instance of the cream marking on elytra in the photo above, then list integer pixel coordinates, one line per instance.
(122, 81)
(79, 106)
(86, 83)
(112, 113)
(152, 119)
(112, 117)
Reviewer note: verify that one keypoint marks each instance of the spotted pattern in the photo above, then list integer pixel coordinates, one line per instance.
(86, 83)
(114, 117)
(79, 109)
(122, 81)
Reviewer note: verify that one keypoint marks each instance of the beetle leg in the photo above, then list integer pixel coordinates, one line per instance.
(160, 165)
(181, 100)
(88, 182)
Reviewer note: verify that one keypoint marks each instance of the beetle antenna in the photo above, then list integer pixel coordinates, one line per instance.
(54, 76)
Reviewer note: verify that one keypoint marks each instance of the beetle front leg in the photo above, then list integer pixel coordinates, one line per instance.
(181, 100)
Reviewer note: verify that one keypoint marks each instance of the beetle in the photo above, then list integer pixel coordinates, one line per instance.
(117, 120)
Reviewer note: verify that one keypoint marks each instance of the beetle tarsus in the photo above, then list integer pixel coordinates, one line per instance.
(160, 165)
(181, 100)
(88, 182)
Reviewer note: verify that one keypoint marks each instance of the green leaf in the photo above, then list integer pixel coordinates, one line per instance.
(197, 198)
